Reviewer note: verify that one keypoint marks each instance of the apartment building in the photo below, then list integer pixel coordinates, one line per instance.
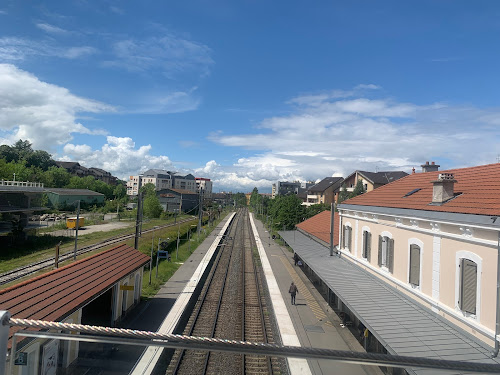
(325, 191)
(162, 180)
(204, 184)
(286, 187)
(372, 180)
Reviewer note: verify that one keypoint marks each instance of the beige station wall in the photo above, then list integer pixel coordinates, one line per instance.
(454, 240)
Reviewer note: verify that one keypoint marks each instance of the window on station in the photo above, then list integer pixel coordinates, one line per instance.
(386, 252)
(414, 277)
(347, 237)
(468, 286)
(367, 244)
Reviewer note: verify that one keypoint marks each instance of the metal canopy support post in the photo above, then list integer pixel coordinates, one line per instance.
(4, 338)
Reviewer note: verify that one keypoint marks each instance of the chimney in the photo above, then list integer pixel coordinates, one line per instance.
(443, 188)
(432, 167)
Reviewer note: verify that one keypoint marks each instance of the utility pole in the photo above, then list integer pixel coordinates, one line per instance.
(138, 217)
(200, 212)
(76, 229)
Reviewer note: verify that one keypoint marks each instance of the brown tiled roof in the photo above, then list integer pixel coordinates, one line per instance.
(477, 192)
(56, 294)
(319, 227)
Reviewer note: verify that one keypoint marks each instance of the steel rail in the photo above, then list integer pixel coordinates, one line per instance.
(49, 262)
(144, 338)
(243, 321)
(202, 299)
(261, 309)
(219, 303)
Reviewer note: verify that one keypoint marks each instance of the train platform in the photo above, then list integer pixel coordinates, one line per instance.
(309, 323)
(314, 322)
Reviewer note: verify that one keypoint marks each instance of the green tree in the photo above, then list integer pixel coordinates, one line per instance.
(39, 158)
(255, 199)
(151, 204)
(358, 189)
(240, 199)
(343, 195)
(316, 209)
(56, 177)
(120, 191)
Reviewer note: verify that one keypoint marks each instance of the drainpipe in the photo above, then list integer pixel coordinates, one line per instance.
(331, 227)
(497, 325)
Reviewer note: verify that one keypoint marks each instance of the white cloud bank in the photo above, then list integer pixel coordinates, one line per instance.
(118, 156)
(40, 112)
(337, 132)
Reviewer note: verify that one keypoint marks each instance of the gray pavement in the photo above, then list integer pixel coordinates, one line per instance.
(316, 324)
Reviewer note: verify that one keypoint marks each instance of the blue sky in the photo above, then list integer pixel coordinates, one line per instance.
(250, 92)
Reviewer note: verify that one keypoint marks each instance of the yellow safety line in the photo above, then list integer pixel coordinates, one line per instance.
(311, 301)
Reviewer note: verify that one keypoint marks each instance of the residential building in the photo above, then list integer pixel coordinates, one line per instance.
(101, 174)
(78, 170)
(325, 191)
(372, 180)
(162, 180)
(178, 200)
(285, 188)
(204, 184)
(433, 235)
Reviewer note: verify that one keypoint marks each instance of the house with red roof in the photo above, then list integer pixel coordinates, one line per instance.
(434, 236)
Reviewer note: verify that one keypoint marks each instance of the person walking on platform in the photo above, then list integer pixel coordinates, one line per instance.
(295, 258)
(293, 291)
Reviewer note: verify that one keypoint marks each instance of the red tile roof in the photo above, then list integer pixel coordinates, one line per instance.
(479, 189)
(56, 294)
(319, 227)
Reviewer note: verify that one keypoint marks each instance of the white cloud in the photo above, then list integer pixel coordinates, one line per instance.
(169, 54)
(15, 49)
(333, 134)
(40, 112)
(118, 156)
(51, 29)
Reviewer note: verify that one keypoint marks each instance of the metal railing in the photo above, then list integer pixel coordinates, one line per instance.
(22, 184)
(97, 335)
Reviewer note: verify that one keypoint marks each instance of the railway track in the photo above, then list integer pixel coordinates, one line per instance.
(231, 306)
(29, 269)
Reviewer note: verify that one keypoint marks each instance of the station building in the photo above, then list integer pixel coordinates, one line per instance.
(418, 266)
(99, 290)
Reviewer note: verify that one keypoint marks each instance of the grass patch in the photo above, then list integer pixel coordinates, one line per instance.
(167, 269)
(43, 246)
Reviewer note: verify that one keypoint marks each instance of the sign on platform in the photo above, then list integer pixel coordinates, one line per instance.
(126, 287)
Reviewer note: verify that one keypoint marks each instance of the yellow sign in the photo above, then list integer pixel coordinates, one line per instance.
(126, 287)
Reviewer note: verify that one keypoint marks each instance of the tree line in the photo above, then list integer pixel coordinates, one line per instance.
(23, 163)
